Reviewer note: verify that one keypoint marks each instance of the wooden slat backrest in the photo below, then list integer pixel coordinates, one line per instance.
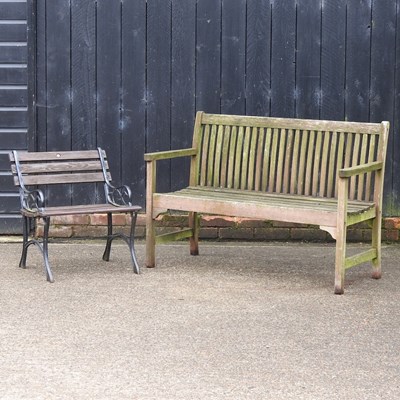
(47, 168)
(281, 155)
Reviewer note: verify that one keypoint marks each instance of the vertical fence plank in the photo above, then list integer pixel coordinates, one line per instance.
(83, 85)
(182, 86)
(58, 79)
(358, 43)
(333, 47)
(133, 113)
(41, 78)
(283, 60)
(109, 83)
(383, 62)
(395, 127)
(308, 59)
(233, 57)
(258, 57)
(158, 84)
(208, 56)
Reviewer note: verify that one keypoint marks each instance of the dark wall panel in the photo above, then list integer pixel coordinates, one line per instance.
(58, 77)
(13, 53)
(13, 106)
(13, 10)
(308, 59)
(182, 85)
(258, 58)
(133, 89)
(208, 56)
(13, 96)
(108, 62)
(233, 58)
(13, 74)
(283, 62)
(13, 32)
(159, 83)
(383, 60)
(395, 192)
(130, 75)
(333, 59)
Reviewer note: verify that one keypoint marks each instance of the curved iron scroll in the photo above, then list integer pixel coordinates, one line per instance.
(118, 196)
(31, 200)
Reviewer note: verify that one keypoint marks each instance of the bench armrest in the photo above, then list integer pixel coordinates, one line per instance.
(118, 196)
(360, 169)
(164, 155)
(31, 200)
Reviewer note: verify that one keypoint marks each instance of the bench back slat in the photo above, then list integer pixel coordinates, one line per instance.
(48, 168)
(286, 156)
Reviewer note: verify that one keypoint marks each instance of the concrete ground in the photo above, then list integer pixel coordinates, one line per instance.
(240, 321)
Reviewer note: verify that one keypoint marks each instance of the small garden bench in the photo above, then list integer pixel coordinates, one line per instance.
(326, 173)
(34, 170)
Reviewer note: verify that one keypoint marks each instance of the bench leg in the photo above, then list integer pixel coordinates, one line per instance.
(376, 244)
(25, 244)
(130, 241)
(106, 255)
(45, 250)
(340, 260)
(43, 246)
(194, 224)
(150, 241)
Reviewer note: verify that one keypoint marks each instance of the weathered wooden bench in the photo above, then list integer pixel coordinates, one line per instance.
(325, 173)
(32, 171)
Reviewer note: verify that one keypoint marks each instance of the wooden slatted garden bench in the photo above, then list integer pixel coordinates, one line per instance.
(326, 173)
(32, 171)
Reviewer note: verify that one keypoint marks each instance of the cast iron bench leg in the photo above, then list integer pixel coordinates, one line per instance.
(130, 241)
(43, 246)
(25, 244)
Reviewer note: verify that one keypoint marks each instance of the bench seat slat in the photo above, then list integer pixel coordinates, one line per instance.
(297, 209)
(81, 209)
(303, 201)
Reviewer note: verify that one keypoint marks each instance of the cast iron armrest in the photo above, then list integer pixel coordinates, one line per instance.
(164, 155)
(360, 169)
(31, 200)
(118, 196)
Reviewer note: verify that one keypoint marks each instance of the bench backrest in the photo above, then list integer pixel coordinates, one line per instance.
(287, 156)
(47, 168)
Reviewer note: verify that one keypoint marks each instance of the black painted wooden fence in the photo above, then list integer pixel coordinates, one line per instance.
(128, 75)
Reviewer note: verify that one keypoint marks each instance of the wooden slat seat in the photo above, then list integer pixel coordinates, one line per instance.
(327, 173)
(80, 209)
(35, 170)
(268, 206)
